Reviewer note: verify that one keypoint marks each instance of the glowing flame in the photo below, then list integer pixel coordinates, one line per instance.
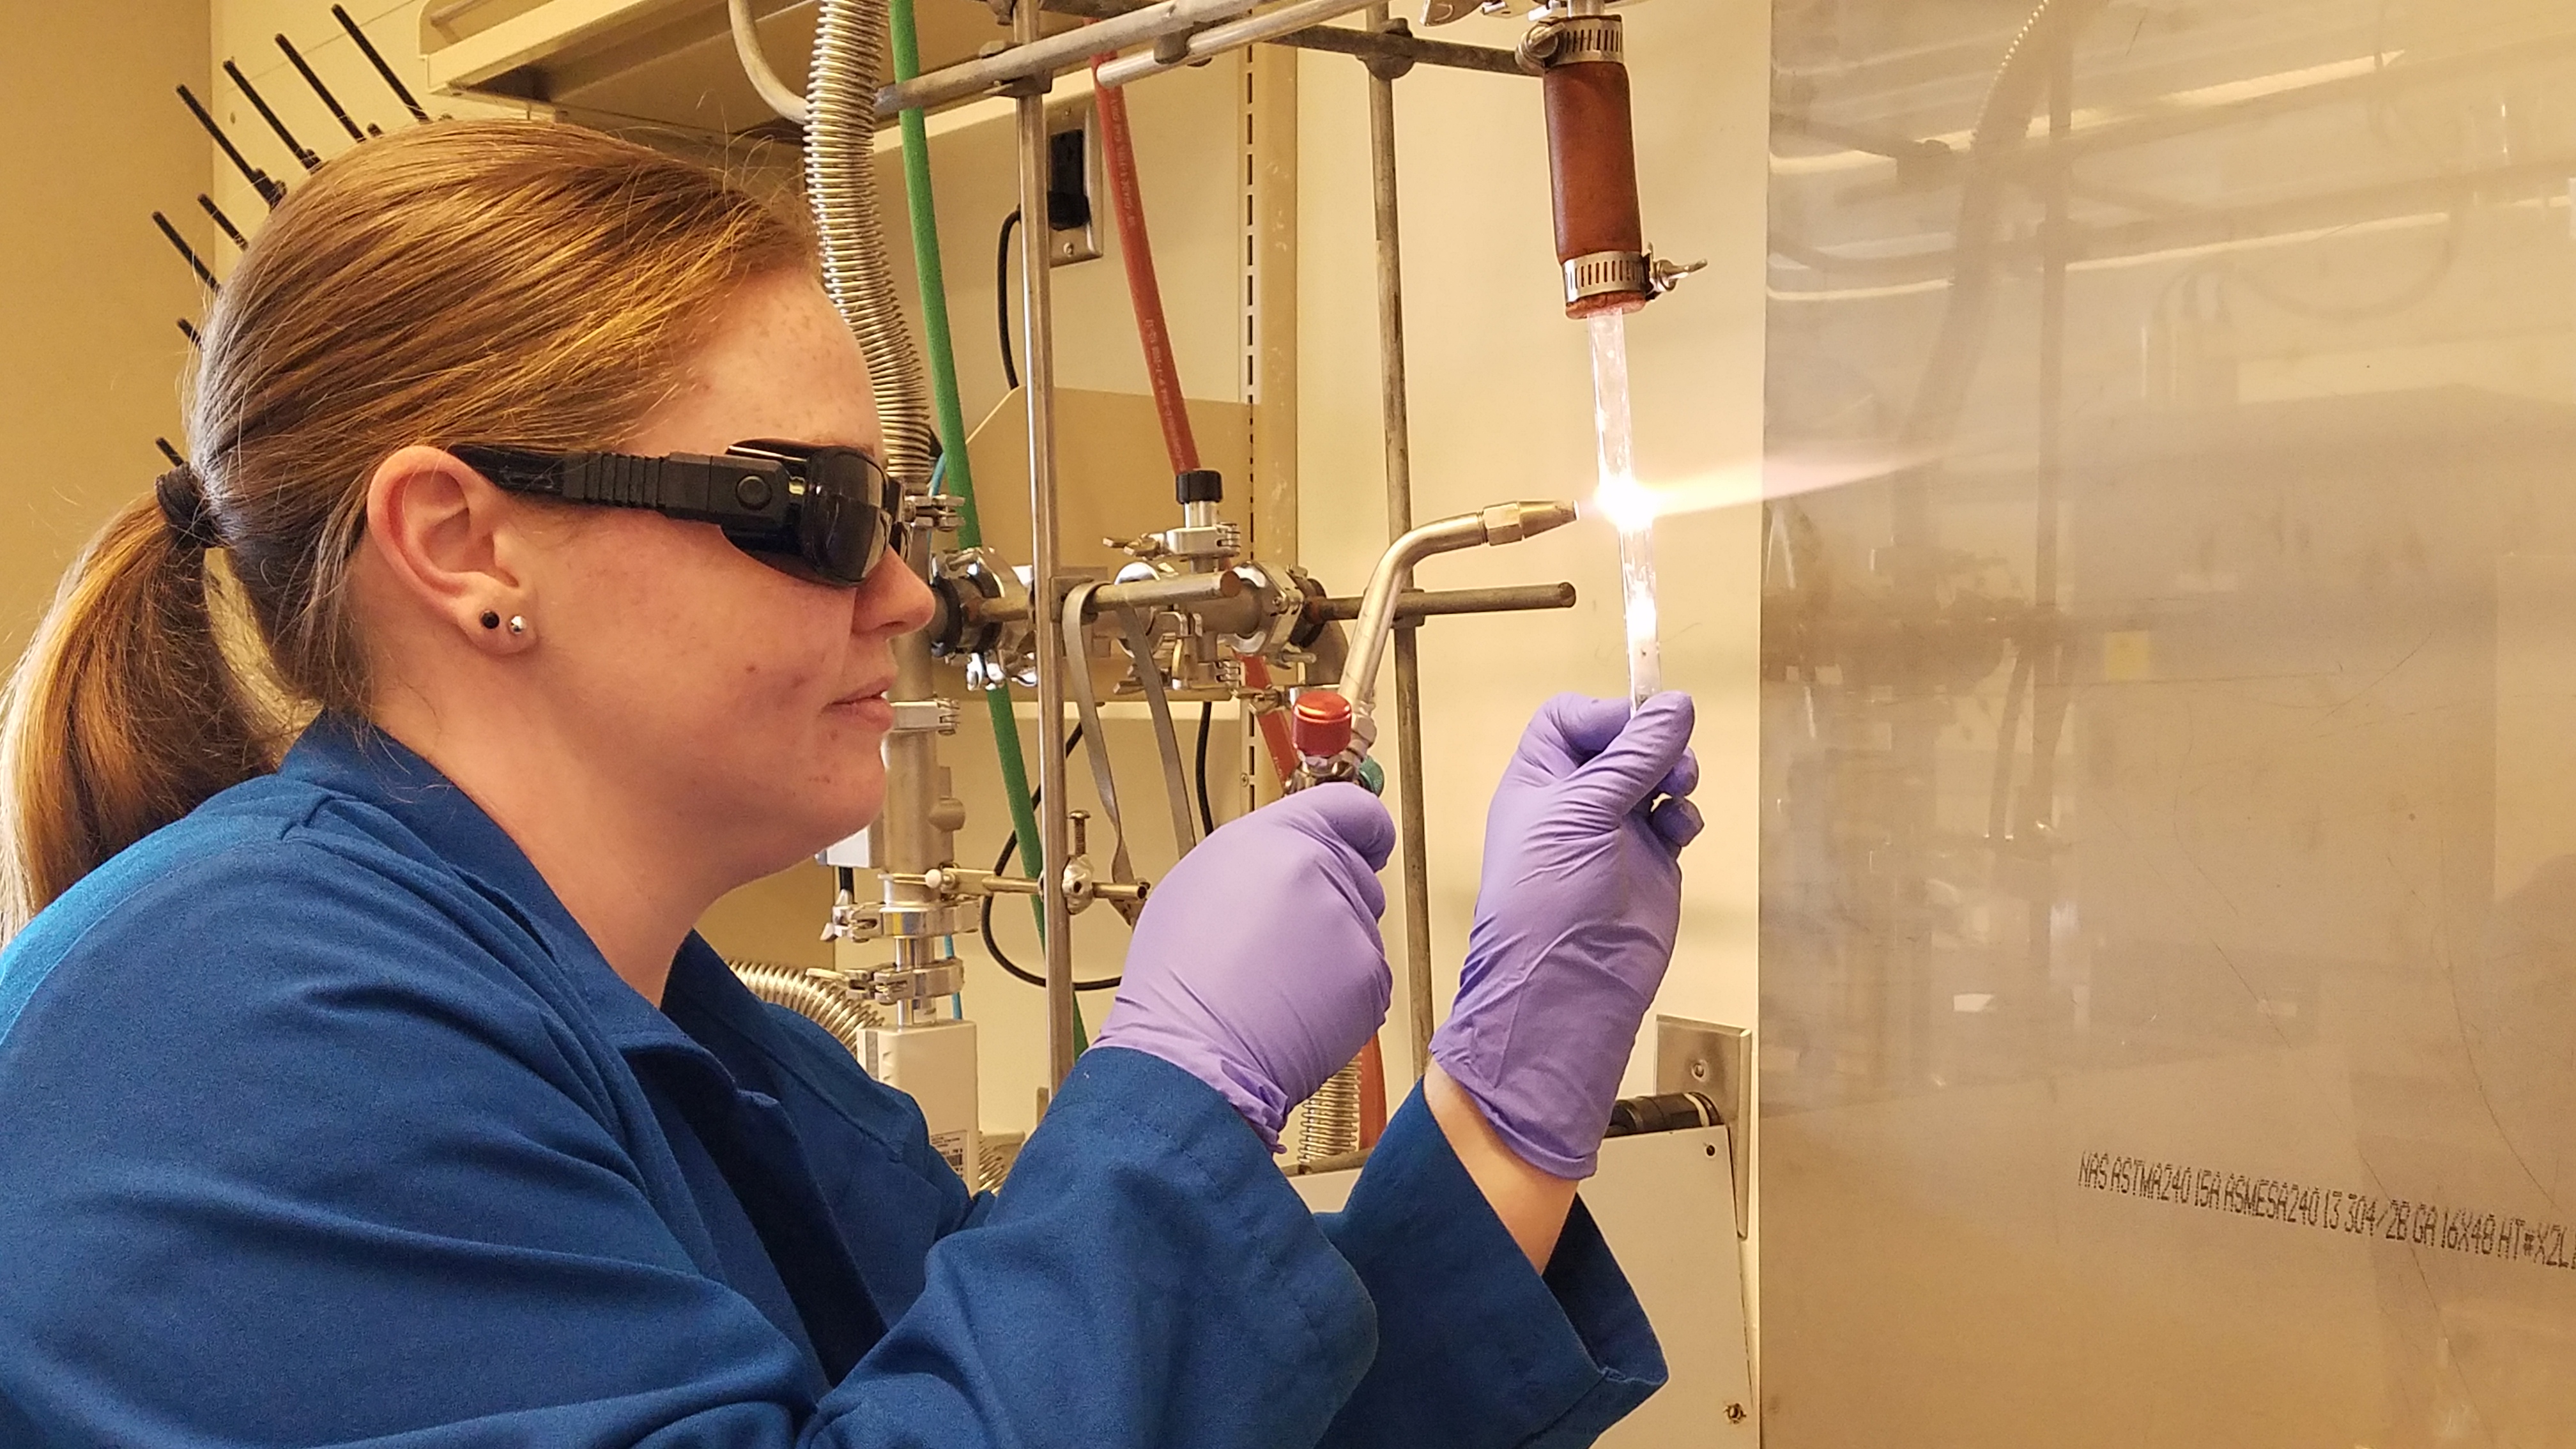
(1630, 504)
(1627, 503)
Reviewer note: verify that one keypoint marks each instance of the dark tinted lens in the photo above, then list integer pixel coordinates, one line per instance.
(844, 522)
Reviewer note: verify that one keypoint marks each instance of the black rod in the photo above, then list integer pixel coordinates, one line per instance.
(401, 92)
(190, 333)
(170, 453)
(231, 232)
(259, 103)
(195, 263)
(339, 113)
(260, 181)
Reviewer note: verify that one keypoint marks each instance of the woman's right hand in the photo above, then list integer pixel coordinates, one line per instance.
(1256, 965)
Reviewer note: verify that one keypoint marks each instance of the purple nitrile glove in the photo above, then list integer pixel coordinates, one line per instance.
(1257, 966)
(1575, 920)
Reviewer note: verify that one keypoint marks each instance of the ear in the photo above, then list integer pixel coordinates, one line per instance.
(450, 541)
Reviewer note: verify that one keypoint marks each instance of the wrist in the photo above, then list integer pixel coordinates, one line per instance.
(1531, 1202)
(1256, 1102)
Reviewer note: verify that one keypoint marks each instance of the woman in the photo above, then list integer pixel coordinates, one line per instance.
(386, 1095)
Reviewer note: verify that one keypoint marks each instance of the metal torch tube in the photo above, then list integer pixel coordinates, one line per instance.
(1037, 312)
(1377, 605)
(1412, 823)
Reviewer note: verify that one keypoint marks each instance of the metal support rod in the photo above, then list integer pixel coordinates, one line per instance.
(910, 846)
(1216, 40)
(1412, 822)
(1037, 331)
(1392, 46)
(1031, 57)
(1415, 604)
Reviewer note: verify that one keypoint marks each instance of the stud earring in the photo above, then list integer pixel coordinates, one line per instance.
(491, 620)
(518, 625)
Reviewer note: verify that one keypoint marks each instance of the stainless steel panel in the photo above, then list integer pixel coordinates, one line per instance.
(2169, 856)
(1665, 1202)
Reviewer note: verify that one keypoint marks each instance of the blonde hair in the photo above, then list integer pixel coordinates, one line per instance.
(511, 282)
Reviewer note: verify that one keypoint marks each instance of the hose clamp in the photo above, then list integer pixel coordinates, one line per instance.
(1573, 40)
(1599, 274)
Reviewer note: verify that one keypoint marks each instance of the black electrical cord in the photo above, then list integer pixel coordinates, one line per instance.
(1207, 818)
(1011, 847)
(1002, 297)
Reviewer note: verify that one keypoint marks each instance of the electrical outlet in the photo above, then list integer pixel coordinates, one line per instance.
(1076, 193)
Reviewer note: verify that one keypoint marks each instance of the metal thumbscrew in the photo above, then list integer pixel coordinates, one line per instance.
(1080, 820)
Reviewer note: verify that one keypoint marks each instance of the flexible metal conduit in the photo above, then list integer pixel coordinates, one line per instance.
(840, 182)
(795, 988)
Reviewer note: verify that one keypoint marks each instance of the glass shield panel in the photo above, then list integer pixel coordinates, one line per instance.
(2169, 841)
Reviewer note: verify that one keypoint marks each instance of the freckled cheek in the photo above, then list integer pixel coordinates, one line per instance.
(802, 651)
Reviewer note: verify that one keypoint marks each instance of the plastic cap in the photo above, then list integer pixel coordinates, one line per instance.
(1200, 485)
(1372, 777)
(1322, 724)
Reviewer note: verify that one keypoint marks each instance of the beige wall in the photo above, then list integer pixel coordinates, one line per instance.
(89, 355)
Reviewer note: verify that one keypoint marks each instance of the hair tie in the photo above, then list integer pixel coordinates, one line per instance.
(184, 508)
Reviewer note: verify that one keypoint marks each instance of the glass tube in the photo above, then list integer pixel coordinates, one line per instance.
(1626, 504)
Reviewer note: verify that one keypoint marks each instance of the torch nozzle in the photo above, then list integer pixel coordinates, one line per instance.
(1512, 522)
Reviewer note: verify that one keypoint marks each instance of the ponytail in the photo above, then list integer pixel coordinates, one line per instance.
(122, 716)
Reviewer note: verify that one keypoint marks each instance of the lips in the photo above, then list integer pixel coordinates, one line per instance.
(868, 705)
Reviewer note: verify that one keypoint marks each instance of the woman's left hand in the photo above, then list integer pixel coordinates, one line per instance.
(1575, 921)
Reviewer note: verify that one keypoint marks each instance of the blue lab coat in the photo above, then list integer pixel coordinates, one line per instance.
(322, 1122)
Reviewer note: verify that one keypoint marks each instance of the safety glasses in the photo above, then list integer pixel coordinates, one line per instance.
(820, 513)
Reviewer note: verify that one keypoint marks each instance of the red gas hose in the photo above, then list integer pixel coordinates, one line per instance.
(1126, 199)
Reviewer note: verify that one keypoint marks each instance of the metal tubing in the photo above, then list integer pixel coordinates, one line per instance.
(1377, 606)
(1192, 593)
(1032, 57)
(1165, 593)
(1218, 39)
(1037, 324)
(1415, 604)
(1412, 822)
(1388, 47)
(910, 846)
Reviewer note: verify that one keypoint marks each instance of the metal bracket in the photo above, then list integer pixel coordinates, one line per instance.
(1716, 1062)
(925, 716)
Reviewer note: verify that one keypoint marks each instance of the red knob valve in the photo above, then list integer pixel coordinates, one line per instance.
(1323, 724)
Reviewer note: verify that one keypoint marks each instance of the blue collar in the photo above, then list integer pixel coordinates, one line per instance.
(356, 759)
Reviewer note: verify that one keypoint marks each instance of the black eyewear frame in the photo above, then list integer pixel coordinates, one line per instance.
(821, 513)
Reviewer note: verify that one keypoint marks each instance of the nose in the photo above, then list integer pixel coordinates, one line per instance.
(892, 599)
